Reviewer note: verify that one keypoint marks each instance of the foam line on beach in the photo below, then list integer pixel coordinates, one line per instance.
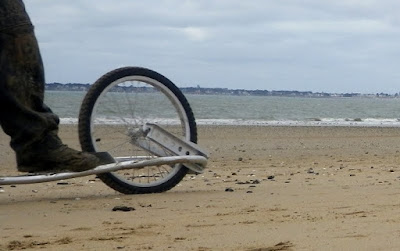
(239, 122)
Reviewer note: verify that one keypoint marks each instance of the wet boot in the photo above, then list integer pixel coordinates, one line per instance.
(50, 155)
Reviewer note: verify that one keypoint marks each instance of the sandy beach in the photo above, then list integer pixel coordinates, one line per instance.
(266, 188)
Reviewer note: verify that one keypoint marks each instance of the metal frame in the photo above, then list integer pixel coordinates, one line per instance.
(39, 178)
(166, 146)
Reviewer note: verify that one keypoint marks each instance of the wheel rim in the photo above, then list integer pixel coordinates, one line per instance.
(125, 105)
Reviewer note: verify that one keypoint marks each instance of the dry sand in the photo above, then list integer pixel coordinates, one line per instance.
(289, 188)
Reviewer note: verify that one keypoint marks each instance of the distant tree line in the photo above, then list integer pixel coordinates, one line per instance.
(216, 91)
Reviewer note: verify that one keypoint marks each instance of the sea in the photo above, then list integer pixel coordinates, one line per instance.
(264, 110)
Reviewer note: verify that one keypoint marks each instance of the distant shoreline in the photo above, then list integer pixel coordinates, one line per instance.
(236, 92)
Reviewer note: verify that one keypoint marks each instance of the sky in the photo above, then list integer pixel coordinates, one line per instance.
(306, 45)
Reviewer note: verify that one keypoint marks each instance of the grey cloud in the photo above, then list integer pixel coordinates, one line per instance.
(343, 45)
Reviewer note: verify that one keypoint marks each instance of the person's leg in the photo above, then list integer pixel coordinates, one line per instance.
(31, 125)
(21, 78)
(23, 115)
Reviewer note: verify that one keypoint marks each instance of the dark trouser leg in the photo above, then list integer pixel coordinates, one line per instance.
(23, 114)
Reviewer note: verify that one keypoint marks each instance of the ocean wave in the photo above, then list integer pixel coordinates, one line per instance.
(369, 122)
(358, 122)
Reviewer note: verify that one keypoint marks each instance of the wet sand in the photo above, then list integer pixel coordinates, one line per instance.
(266, 188)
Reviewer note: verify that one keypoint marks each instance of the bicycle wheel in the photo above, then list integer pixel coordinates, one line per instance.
(124, 100)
